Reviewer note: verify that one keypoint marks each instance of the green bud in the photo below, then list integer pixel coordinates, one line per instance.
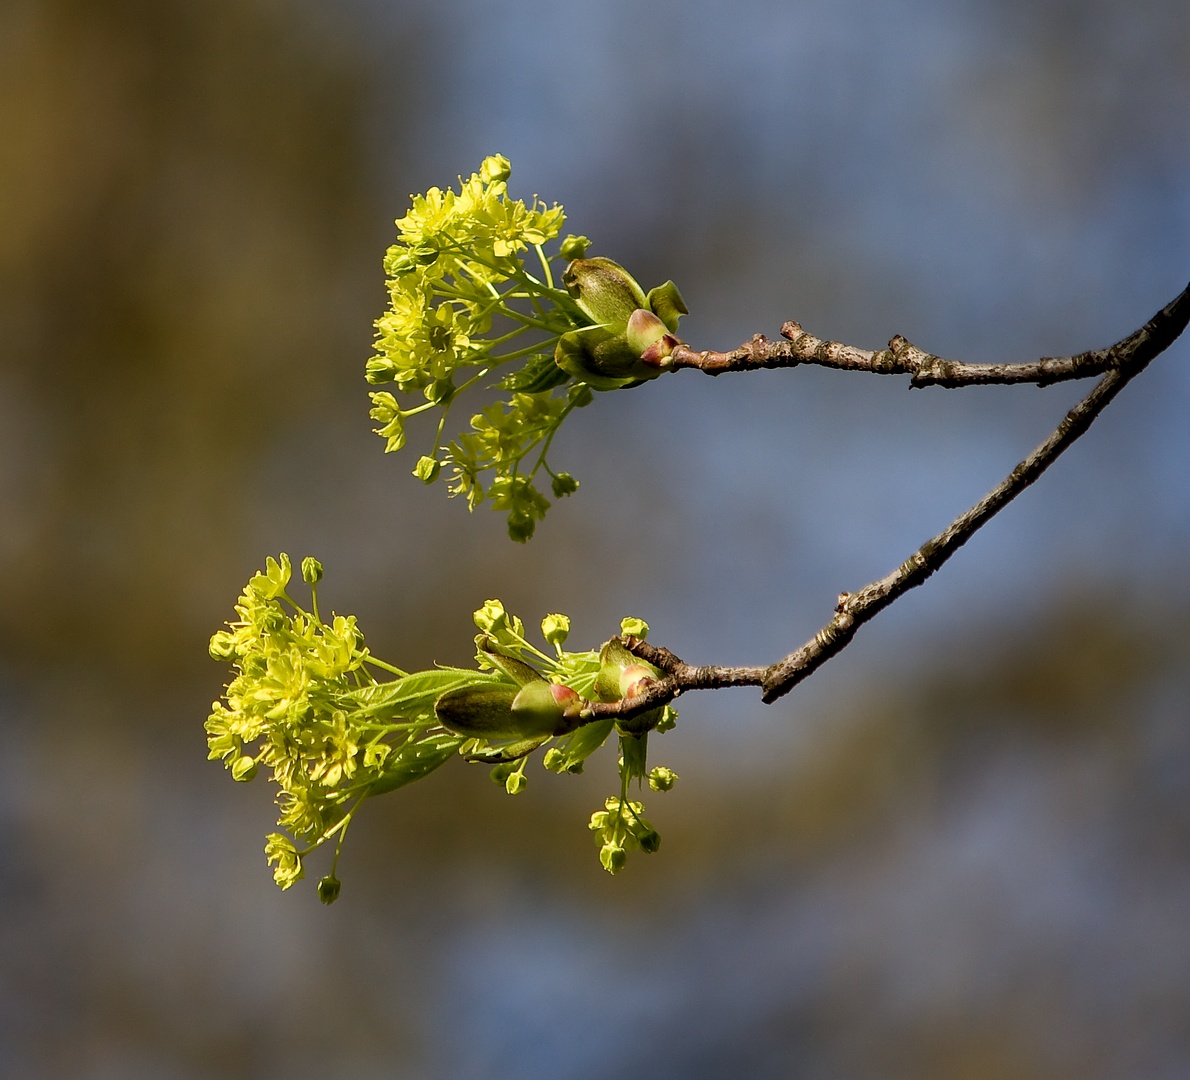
(604, 291)
(516, 783)
(495, 168)
(500, 773)
(613, 659)
(521, 526)
(244, 768)
(612, 857)
(563, 484)
(649, 840)
(634, 678)
(328, 889)
(574, 247)
(399, 260)
(543, 708)
(222, 646)
(427, 469)
(554, 760)
(503, 712)
(311, 570)
(602, 358)
(634, 628)
(555, 629)
(491, 617)
(478, 712)
(661, 778)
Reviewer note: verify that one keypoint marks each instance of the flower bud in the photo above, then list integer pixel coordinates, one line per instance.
(574, 247)
(661, 778)
(631, 627)
(612, 857)
(244, 768)
(311, 570)
(516, 783)
(495, 168)
(604, 291)
(491, 617)
(555, 629)
(563, 484)
(649, 840)
(427, 469)
(328, 889)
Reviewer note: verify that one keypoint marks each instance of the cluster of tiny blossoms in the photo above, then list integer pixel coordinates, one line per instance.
(463, 302)
(306, 704)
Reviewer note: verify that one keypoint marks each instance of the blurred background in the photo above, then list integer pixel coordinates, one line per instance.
(962, 850)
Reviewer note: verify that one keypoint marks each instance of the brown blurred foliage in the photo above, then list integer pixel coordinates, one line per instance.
(182, 184)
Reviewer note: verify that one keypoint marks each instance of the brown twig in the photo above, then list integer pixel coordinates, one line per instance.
(1122, 362)
(901, 358)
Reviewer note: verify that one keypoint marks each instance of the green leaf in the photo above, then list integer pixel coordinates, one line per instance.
(415, 760)
(576, 748)
(416, 693)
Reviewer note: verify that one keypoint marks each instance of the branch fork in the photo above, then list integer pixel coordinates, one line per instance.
(1118, 364)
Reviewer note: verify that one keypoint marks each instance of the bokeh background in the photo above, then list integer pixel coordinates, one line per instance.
(960, 851)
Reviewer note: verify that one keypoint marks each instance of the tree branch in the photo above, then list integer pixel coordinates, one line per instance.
(903, 358)
(1123, 361)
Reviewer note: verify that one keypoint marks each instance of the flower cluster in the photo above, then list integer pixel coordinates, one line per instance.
(463, 302)
(473, 292)
(305, 703)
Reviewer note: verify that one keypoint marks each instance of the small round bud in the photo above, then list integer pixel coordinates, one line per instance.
(491, 617)
(554, 760)
(223, 646)
(495, 168)
(574, 247)
(311, 570)
(563, 484)
(634, 627)
(244, 768)
(521, 526)
(427, 469)
(555, 629)
(516, 783)
(328, 889)
(661, 778)
(649, 841)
